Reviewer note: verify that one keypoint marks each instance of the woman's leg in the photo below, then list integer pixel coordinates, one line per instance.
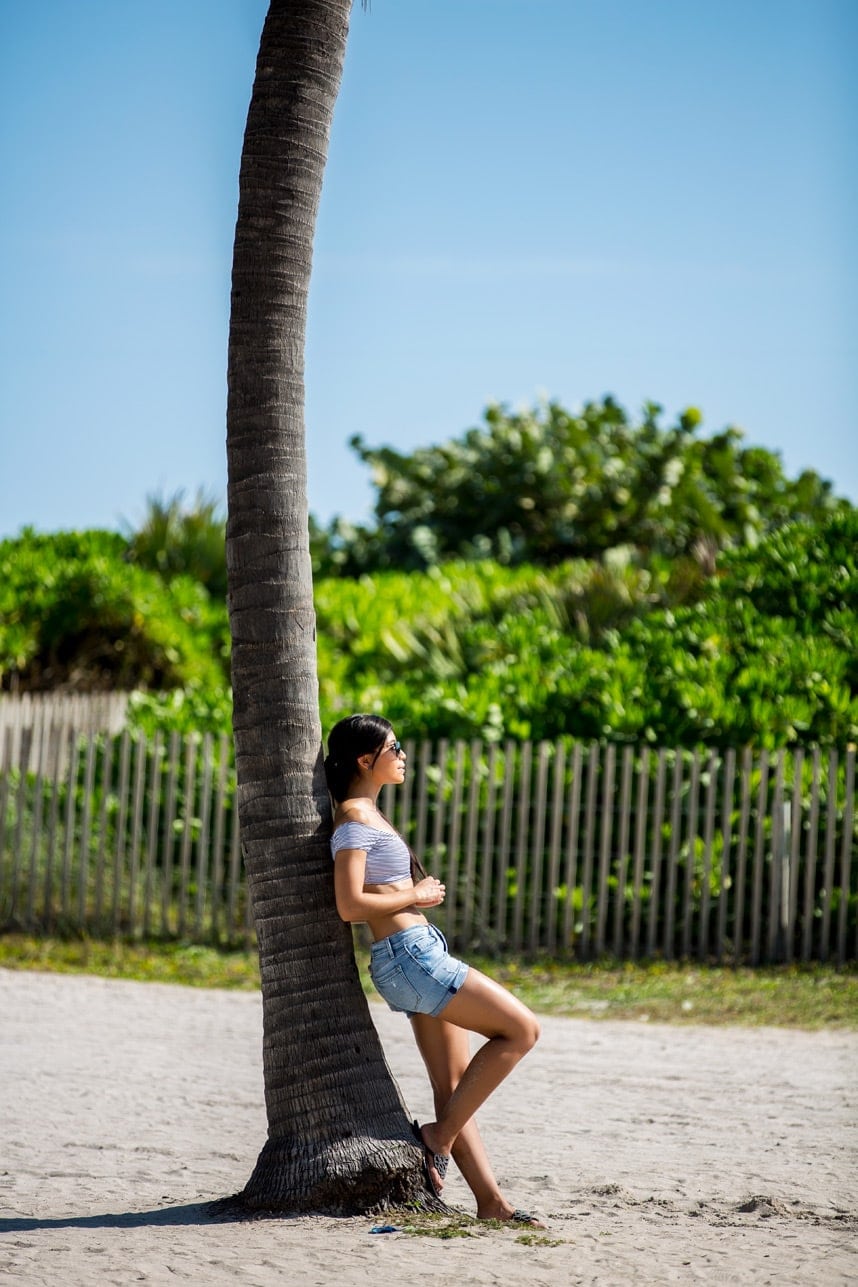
(482, 1006)
(446, 1053)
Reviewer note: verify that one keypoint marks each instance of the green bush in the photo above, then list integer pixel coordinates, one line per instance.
(177, 539)
(548, 484)
(615, 649)
(74, 613)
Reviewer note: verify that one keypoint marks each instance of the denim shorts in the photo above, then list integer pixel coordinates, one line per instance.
(413, 971)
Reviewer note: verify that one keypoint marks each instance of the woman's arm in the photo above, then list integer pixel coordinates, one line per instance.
(354, 903)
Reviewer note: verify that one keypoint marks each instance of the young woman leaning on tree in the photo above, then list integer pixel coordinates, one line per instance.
(377, 880)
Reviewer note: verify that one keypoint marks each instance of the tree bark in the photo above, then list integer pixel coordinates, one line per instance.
(338, 1136)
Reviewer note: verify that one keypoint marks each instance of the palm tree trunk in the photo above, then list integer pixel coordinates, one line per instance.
(337, 1130)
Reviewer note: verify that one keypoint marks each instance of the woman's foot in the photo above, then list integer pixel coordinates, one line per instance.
(503, 1210)
(434, 1164)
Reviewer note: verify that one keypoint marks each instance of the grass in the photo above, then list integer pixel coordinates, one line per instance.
(809, 997)
(188, 964)
(791, 996)
(457, 1224)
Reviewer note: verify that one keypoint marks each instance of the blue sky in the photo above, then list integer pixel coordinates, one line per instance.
(652, 198)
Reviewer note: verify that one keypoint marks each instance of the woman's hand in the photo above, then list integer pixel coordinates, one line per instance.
(429, 892)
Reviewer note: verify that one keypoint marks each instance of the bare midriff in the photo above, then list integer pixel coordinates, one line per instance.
(384, 926)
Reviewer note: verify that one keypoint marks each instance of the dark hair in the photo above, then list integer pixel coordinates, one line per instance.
(352, 737)
(348, 740)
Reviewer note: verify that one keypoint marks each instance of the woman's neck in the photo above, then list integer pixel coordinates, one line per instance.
(367, 795)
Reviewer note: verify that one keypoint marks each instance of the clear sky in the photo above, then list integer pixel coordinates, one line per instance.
(652, 198)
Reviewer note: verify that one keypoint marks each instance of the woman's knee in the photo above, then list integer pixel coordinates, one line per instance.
(523, 1032)
(531, 1031)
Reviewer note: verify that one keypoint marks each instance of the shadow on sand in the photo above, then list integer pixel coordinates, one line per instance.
(192, 1213)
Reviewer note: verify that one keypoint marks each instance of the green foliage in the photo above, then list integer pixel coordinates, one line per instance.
(75, 613)
(598, 651)
(767, 655)
(545, 575)
(762, 653)
(180, 540)
(473, 649)
(192, 709)
(807, 573)
(546, 485)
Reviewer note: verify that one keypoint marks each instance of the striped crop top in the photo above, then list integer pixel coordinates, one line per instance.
(388, 858)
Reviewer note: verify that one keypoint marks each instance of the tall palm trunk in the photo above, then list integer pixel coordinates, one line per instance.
(337, 1129)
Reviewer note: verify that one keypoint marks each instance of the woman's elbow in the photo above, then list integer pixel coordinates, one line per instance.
(349, 911)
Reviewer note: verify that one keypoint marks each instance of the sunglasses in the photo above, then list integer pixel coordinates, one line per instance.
(395, 747)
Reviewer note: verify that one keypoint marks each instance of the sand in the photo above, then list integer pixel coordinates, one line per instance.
(656, 1154)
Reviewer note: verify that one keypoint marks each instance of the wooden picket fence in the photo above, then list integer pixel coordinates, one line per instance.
(131, 837)
(46, 717)
(567, 849)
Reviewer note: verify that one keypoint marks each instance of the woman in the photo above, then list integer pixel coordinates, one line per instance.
(378, 881)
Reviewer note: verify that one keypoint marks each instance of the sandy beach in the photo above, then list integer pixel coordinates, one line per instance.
(656, 1154)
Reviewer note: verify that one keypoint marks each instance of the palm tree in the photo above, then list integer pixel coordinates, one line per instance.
(338, 1136)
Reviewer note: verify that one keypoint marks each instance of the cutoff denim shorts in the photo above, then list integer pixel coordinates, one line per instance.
(413, 971)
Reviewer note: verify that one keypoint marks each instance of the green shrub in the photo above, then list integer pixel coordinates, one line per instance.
(75, 614)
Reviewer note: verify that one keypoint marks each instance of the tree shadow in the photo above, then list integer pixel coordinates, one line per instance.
(229, 1210)
(191, 1213)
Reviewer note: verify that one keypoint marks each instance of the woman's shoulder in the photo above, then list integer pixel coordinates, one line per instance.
(358, 811)
(353, 828)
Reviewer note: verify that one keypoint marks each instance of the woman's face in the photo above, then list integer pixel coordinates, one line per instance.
(389, 765)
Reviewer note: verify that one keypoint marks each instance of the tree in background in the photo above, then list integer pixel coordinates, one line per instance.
(178, 539)
(338, 1136)
(545, 485)
(539, 487)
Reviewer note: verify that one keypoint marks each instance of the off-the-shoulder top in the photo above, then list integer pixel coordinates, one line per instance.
(387, 856)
